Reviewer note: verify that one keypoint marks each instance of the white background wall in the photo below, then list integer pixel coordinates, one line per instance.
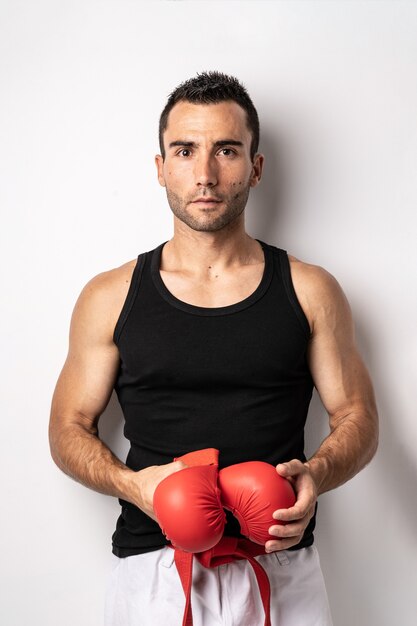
(82, 84)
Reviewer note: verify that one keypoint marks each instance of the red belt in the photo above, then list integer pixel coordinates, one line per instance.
(227, 550)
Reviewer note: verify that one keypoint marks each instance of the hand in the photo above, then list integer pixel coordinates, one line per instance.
(147, 481)
(297, 517)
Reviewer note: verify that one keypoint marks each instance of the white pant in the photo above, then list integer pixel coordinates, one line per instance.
(145, 590)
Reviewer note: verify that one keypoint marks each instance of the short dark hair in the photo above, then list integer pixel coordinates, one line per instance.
(209, 88)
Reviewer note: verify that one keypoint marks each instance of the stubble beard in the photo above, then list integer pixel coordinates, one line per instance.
(208, 221)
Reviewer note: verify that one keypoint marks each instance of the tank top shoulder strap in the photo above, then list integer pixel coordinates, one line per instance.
(131, 295)
(283, 269)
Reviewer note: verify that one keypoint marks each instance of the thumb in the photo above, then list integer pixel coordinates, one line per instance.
(176, 466)
(171, 468)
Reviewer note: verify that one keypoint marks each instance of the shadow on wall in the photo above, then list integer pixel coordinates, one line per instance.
(396, 468)
(267, 203)
(353, 518)
(111, 426)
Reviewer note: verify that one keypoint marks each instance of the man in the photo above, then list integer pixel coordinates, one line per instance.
(213, 339)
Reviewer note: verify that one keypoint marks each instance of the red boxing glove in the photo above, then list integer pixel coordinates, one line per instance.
(252, 491)
(187, 504)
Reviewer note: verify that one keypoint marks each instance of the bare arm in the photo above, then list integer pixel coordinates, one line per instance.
(82, 393)
(345, 389)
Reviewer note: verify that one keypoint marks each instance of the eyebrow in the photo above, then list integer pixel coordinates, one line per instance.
(193, 144)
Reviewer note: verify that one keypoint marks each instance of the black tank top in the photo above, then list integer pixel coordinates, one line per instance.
(233, 378)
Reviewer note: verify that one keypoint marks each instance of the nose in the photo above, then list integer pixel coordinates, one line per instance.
(205, 171)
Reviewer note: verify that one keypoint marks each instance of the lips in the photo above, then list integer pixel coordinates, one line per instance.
(207, 200)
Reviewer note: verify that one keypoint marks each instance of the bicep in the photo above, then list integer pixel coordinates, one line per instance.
(337, 368)
(339, 374)
(87, 378)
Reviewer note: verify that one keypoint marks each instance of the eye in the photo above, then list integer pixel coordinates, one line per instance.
(180, 153)
(229, 151)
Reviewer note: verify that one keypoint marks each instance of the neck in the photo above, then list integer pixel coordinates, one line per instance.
(201, 252)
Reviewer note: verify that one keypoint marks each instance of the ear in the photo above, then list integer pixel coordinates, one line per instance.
(256, 175)
(159, 162)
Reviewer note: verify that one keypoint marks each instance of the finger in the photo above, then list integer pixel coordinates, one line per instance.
(286, 531)
(306, 498)
(281, 544)
(303, 506)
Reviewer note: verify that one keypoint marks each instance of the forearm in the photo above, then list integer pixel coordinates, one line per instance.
(79, 453)
(348, 448)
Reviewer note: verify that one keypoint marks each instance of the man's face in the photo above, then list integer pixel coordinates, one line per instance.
(207, 170)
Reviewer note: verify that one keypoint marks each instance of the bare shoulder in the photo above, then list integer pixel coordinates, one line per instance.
(101, 299)
(111, 283)
(319, 293)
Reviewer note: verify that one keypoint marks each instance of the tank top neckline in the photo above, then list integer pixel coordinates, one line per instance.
(212, 311)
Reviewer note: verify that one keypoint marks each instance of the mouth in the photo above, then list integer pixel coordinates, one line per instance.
(209, 201)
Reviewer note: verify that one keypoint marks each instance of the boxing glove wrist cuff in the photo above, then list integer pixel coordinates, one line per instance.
(208, 456)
